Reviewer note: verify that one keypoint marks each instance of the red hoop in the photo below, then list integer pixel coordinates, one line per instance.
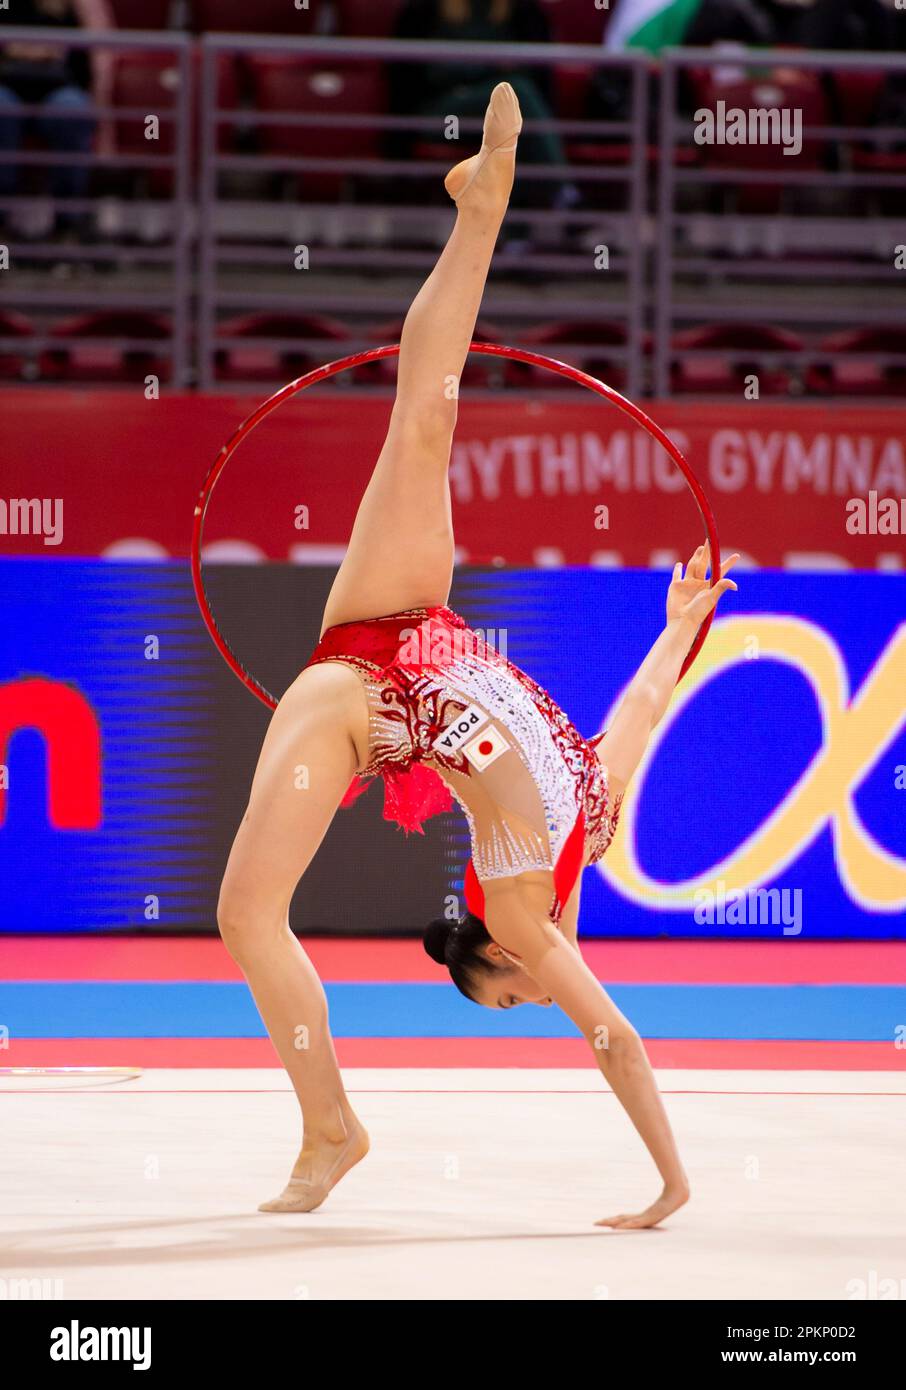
(357, 359)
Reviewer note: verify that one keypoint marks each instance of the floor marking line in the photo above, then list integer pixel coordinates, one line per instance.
(407, 1091)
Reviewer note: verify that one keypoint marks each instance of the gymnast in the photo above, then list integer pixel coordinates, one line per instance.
(399, 687)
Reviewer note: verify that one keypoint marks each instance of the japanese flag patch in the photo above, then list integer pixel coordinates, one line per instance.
(485, 748)
(460, 729)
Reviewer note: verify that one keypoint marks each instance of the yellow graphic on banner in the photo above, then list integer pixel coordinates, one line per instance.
(855, 734)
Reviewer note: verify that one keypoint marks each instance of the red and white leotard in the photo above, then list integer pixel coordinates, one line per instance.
(449, 714)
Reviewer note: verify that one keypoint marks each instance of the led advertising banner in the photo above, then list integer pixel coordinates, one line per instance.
(127, 751)
(771, 803)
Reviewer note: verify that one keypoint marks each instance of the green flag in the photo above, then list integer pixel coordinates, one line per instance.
(651, 24)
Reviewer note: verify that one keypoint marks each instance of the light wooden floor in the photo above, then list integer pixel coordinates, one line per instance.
(480, 1184)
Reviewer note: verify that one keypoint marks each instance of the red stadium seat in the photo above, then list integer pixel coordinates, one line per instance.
(572, 85)
(861, 97)
(576, 21)
(229, 98)
(262, 362)
(142, 14)
(13, 325)
(104, 361)
(307, 87)
(148, 82)
(782, 88)
(852, 370)
(857, 94)
(257, 17)
(367, 19)
(588, 341)
(713, 377)
(875, 159)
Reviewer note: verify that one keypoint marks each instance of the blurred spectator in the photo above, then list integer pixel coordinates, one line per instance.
(876, 26)
(61, 81)
(816, 24)
(657, 24)
(463, 89)
(885, 23)
(882, 28)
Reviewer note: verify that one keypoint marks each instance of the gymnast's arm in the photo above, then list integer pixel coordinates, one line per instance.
(617, 1048)
(569, 917)
(689, 601)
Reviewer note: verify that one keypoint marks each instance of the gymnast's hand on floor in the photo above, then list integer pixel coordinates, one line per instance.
(689, 598)
(670, 1200)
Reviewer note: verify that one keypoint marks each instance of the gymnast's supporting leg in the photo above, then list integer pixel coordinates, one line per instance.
(309, 757)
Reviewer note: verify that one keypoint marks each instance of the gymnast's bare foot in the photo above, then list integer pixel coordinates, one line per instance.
(490, 173)
(319, 1168)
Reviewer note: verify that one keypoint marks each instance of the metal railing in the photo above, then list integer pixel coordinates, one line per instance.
(722, 265)
(360, 226)
(170, 256)
(816, 263)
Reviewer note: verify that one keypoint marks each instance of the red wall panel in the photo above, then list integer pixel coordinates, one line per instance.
(526, 477)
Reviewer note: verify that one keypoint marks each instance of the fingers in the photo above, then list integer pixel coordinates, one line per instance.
(723, 584)
(697, 567)
(624, 1223)
(697, 570)
(701, 562)
(709, 599)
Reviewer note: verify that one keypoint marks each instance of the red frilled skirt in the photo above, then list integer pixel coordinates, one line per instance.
(382, 648)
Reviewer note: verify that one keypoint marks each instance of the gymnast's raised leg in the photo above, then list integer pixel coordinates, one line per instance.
(400, 556)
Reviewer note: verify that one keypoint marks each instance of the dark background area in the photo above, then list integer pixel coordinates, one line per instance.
(368, 876)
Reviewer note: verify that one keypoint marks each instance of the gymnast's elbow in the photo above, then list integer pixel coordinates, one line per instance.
(517, 928)
(619, 1048)
(641, 702)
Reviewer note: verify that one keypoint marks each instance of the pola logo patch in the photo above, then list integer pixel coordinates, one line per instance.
(460, 730)
(485, 749)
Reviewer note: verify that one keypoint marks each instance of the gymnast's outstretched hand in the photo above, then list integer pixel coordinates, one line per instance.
(670, 1200)
(690, 598)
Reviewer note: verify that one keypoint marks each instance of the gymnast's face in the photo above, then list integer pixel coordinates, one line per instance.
(508, 984)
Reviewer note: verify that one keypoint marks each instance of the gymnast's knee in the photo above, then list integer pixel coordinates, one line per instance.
(247, 927)
(425, 426)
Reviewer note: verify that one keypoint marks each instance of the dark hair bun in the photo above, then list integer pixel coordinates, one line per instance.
(437, 934)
